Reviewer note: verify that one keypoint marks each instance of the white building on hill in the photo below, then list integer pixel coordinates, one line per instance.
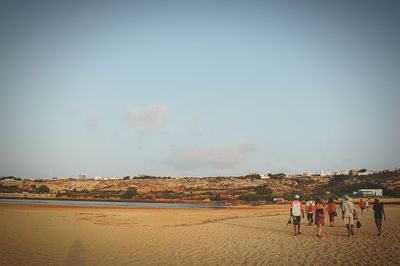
(323, 173)
(264, 176)
(342, 172)
(366, 173)
(370, 192)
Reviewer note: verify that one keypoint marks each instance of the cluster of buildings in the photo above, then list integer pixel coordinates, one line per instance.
(369, 192)
(352, 172)
(84, 177)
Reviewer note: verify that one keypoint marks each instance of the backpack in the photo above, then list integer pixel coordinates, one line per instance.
(311, 207)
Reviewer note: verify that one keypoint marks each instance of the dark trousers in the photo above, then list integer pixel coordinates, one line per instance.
(310, 217)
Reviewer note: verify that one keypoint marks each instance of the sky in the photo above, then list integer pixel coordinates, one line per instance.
(198, 88)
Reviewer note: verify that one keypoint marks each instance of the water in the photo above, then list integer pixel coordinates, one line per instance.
(115, 203)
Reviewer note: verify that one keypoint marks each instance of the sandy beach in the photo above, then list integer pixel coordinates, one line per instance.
(54, 235)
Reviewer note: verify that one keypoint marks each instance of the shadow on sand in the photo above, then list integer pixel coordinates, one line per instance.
(74, 256)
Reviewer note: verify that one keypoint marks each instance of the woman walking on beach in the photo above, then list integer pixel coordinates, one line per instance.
(319, 216)
(331, 210)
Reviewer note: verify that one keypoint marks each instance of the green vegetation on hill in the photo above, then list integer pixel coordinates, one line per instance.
(10, 189)
(129, 193)
(43, 189)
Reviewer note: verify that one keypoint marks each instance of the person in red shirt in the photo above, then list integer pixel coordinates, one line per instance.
(331, 210)
(362, 206)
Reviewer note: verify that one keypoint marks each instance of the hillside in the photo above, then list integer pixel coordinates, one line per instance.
(195, 189)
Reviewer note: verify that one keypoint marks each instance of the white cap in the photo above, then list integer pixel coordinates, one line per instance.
(297, 197)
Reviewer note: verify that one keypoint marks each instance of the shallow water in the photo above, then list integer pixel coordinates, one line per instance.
(115, 203)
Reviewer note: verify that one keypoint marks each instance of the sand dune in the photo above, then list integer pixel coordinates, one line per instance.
(133, 236)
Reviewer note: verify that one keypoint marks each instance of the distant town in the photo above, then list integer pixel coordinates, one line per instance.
(352, 172)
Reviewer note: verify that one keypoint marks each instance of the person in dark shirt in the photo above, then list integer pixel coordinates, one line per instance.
(319, 216)
(378, 213)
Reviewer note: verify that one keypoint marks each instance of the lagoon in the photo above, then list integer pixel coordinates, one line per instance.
(114, 203)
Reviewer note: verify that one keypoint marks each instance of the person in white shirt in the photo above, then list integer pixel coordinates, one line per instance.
(348, 214)
(296, 210)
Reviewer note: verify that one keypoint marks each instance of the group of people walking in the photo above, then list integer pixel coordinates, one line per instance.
(316, 211)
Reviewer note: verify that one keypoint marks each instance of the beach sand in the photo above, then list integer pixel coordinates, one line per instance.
(54, 235)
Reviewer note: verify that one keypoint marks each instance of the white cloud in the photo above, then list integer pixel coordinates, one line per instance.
(148, 119)
(208, 157)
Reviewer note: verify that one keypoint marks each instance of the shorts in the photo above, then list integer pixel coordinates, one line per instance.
(348, 220)
(378, 220)
(296, 219)
(310, 217)
(362, 208)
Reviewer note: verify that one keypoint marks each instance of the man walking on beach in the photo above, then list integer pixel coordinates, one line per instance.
(348, 214)
(296, 209)
(378, 213)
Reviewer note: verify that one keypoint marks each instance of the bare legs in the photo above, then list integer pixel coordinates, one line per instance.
(350, 229)
(319, 230)
(331, 221)
(378, 226)
(296, 229)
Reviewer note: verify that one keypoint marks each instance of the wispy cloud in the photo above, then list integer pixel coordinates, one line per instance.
(208, 157)
(74, 110)
(195, 124)
(148, 119)
(92, 120)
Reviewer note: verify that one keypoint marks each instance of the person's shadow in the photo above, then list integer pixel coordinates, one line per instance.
(74, 256)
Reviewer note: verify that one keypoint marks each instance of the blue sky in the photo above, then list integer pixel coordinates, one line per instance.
(198, 88)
